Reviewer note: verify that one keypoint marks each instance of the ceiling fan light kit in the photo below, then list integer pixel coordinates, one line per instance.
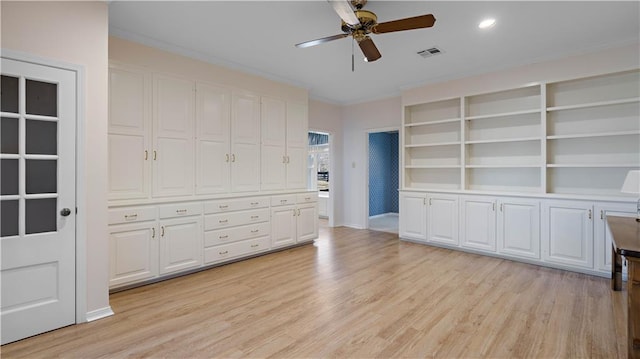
(360, 23)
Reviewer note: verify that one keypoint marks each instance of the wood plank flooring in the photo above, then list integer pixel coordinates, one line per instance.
(355, 293)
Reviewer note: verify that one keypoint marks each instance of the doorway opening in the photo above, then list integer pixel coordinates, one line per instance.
(383, 181)
(318, 167)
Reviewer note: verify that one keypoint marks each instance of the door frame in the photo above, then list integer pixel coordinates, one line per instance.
(81, 191)
(332, 171)
(366, 172)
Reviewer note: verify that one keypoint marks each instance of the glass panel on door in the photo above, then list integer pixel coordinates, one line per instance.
(28, 157)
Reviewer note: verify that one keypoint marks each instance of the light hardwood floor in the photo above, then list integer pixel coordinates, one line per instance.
(355, 293)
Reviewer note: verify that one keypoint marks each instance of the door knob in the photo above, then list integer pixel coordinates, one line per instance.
(65, 212)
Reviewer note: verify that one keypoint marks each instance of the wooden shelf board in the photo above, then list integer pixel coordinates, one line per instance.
(426, 123)
(587, 135)
(594, 104)
(593, 165)
(503, 114)
(521, 139)
(502, 166)
(433, 144)
(431, 166)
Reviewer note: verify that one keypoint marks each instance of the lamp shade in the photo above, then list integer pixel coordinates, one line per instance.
(632, 182)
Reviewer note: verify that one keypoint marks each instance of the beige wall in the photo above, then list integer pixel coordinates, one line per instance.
(153, 59)
(75, 33)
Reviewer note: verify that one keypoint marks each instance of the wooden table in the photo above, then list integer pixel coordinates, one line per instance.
(626, 242)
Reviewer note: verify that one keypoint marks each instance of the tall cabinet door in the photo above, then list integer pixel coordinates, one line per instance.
(519, 227)
(213, 156)
(129, 133)
(173, 136)
(413, 216)
(442, 219)
(568, 233)
(297, 144)
(245, 142)
(478, 226)
(274, 160)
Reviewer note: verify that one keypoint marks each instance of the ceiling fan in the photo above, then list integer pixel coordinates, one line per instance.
(360, 23)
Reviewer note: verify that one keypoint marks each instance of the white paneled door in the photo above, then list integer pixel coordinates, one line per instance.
(38, 214)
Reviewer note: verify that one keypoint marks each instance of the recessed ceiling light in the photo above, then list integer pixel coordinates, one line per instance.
(487, 23)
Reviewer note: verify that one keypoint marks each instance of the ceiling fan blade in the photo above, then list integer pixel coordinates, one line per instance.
(410, 23)
(345, 11)
(321, 41)
(369, 49)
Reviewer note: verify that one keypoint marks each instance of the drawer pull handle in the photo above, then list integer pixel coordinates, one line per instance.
(225, 252)
(307, 198)
(223, 221)
(223, 206)
(255, 217)
(255, 203)
(181, 211)
(255, 245)
(255, 231)
(283, 201)
(224, 237)
(130, 217)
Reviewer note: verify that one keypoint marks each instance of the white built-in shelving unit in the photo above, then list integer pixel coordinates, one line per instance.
(575, 137)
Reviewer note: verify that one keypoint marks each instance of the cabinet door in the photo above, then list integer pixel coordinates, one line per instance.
(213, 119)
(442, 219)
(180, 244)
(297, 145)
(478, 227)
(413, 216)
(602, 235)
(129, 133)
(307, 222)
(519, 228)
(283, 226)
(568, 233)
(133, 253)
(245, 142)
(173, 137)
(273, 113)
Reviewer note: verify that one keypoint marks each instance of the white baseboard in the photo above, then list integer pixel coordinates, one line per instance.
(99, 314)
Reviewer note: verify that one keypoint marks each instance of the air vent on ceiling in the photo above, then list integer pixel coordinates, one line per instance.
(430, 52)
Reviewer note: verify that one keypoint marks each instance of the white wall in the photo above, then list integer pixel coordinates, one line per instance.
(358, 119)
(325, 117)
(75, 33)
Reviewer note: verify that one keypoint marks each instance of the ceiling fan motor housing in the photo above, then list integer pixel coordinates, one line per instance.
(367, 21)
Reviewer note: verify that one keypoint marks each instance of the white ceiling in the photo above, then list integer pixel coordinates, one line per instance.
(259, 36)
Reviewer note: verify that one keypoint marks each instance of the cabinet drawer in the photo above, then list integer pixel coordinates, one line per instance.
(180, 210)
(283, 200)
(235, 250)
(223, 220)
(307, 197)
(132, 214)
(235, 204)
(234, 234)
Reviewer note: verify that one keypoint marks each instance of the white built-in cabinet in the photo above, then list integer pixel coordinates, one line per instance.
(294, 219)
(284, 144)
(413, 216)
(536, 169)
(129, 140)
(173, 148)
(567, 228)
(478, 223)
(442, 219)
(194, 168)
